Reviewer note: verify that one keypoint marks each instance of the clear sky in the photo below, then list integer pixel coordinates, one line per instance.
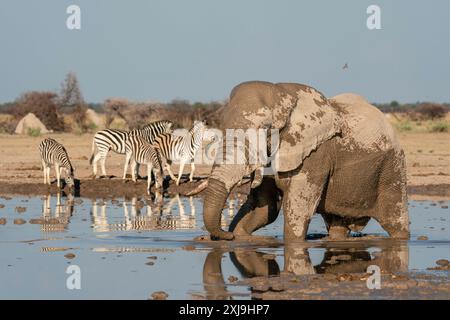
(199, 49)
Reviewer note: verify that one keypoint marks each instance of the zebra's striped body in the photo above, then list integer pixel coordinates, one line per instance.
(54, 153)
(139, 151)
(182, 148)
(112, 139)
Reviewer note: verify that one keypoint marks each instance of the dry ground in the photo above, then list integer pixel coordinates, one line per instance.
(427, 155)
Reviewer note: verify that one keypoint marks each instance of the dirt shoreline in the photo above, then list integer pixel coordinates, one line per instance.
(116, 188)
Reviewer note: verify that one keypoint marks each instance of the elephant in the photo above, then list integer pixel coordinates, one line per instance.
(338, 157)
(252, 263)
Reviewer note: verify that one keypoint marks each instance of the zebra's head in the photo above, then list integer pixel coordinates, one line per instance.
(70, 180)
(199, 126)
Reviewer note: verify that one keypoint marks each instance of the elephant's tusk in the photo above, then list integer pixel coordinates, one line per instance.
(202, 186)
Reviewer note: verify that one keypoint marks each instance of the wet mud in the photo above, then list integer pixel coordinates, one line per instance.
(113, 187)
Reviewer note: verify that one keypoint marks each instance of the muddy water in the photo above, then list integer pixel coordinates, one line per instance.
(130, 248)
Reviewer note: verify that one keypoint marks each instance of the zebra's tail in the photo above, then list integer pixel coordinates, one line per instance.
(92, 152)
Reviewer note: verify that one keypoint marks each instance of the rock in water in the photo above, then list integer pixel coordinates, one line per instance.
(19, 221)
(442, 262)
(159, 295)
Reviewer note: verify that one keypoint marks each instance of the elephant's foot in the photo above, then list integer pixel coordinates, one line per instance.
(338, 233)
(395, 232)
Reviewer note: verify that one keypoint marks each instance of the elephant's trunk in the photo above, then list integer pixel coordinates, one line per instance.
(216, 195)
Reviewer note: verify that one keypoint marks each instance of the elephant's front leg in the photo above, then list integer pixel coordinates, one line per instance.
(260, 209)
(301, 199)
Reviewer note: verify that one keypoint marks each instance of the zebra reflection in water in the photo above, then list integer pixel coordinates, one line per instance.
(141, 215)
(56, 220)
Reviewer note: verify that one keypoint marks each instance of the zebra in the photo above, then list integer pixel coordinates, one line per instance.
(114, 139)
(54, 153)
(181, 148)
(139, 151)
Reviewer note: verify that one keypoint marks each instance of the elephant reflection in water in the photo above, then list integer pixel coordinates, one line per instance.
(157, 215)
(251, 263)
(57, 220)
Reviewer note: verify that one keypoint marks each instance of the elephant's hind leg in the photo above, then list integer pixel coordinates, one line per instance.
(260, 209)
(392, 202)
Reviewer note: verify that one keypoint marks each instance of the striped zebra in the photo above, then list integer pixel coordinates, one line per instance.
(113, 139)
(139, 151)
(181, 148)
(54, 153)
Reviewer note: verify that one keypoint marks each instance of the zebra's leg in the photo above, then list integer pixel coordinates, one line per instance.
(191, 176)
(180, 172)
(149, 176)
(58, 175)
(133, 170)
(47, 173)
(137, 171)
(102, 163)
(172, 176)
(44, 168)
(127, 161)
(97, 157)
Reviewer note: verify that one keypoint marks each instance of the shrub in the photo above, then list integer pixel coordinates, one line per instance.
(404, 125)
(431, 111)
(34, 132)
(8, 127)
(440, 127)
(45, 105)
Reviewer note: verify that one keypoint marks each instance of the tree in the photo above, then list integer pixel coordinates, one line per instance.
(431, 111)
(44, 105)
(70, 92)
(72, 100)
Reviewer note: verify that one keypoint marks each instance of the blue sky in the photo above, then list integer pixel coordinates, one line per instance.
(199, 49)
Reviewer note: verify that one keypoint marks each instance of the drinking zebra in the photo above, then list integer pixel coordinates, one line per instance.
(139, 151)
(181, 148)
(113, 139)
(54, 153)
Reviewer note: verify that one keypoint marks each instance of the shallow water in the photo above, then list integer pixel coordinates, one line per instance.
(127, 249)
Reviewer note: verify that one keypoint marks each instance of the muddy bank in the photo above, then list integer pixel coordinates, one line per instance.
(115, 187)
(348, 286)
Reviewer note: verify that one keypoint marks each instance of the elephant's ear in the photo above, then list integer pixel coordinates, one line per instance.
(312, 122)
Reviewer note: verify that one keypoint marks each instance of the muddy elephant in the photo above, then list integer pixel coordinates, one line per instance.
(338, 157)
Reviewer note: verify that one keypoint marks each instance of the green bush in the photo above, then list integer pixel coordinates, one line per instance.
(404, 125)
(440, 127)
(34, 132)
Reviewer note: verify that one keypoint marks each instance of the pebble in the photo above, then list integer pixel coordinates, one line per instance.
(277, 287)
(2, 221)
(422, 238)
(2, 206)
(232, 279)
(69, 256)
(261, 287)
(444, 207)
(442, 262)
(19, 221)
(21, 209)
(159, 295)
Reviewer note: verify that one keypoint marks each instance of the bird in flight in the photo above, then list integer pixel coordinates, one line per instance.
(345, 66)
